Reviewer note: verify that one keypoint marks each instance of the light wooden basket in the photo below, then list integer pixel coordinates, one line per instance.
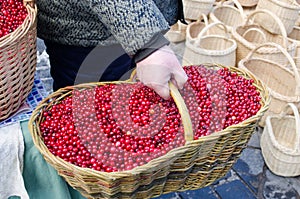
(17, 63)
(197, 164)
(211, 48)
(244, 46)
(283, 83)
(194, 8)
(228, 15)
(295, 35)
(286, 10)
(280, 142)
(177, 32)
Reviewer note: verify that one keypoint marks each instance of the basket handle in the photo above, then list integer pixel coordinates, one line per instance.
(183, 110)
(236, 3)
(287, 55)
(206, 28)
(188, 29)
(31, 3)
(278, 21)
(257, 30)
(297, 121)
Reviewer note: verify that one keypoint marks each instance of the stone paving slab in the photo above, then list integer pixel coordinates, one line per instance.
(248, 179)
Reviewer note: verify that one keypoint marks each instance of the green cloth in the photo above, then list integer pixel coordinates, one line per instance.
(41, 179)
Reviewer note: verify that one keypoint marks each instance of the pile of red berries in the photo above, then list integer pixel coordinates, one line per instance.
(12, 15)
(117, 127)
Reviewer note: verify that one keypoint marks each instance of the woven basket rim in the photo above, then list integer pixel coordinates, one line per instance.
(207, 52)
(291, 99)
(283, 149)
(266, 50)
(291, 5)
(265, 100)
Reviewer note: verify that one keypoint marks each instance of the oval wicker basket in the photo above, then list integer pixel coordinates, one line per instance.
(283, 83)
(286, 10)
(280, 142)
(18, 61)
(295, 35)
(177, 32)
(197, 164)
(194, 8)
(244, 46)
(228, 15)
(213, 48)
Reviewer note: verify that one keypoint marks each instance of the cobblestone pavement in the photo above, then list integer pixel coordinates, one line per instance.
(248, 179)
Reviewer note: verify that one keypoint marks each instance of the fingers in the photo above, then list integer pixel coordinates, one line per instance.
(162, 90)
(179, 78)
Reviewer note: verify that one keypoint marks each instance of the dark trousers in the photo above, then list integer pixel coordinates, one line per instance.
(71, 65)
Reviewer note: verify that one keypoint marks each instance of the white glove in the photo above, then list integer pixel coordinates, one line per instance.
(160, 67)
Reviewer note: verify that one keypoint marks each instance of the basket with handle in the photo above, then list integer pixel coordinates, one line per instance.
(228, 15)
(197, 164)
(283, 83)
(194, 8)
(295, 35)
(18, 61)
(286, 10)
(177, 32)
(280, 142)
(244, 46)
(210, 48)
(194, 28)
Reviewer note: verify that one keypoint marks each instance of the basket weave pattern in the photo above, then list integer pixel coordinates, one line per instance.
(17, 61)
(280, 142)
(197, 164)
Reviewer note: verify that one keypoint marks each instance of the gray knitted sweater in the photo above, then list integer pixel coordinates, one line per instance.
(132, 23)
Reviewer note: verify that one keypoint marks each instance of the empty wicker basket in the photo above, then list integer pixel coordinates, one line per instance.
(286, 10)
(280, 142)
(228, 15)
(283, 83)
(194, 8)
(245, 45)
(211, 48)
(18, 61)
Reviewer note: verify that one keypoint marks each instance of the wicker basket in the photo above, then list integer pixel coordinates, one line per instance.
(210, 48)
(271, 53)
(248, 3)
(228, 15)
(286, 10)
(177, 32)
(194, 28)
(18, 61)
(280, 142)
(295, 35)
(194, 8)
(197, 164)
(283, 83)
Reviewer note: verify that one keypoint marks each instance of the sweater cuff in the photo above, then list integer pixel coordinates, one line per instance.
(157, 41)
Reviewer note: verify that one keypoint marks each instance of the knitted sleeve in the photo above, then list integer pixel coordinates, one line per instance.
(132, 22)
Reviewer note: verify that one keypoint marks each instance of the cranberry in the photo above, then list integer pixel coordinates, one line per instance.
(12, 15)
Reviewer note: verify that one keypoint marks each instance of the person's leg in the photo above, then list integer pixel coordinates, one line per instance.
(72, 65)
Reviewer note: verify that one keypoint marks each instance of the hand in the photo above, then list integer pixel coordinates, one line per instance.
(160, 67)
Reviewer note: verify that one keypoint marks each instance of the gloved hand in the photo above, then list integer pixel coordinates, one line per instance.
(160, 67)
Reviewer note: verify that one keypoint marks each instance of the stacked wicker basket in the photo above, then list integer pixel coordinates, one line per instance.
(18, 62)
